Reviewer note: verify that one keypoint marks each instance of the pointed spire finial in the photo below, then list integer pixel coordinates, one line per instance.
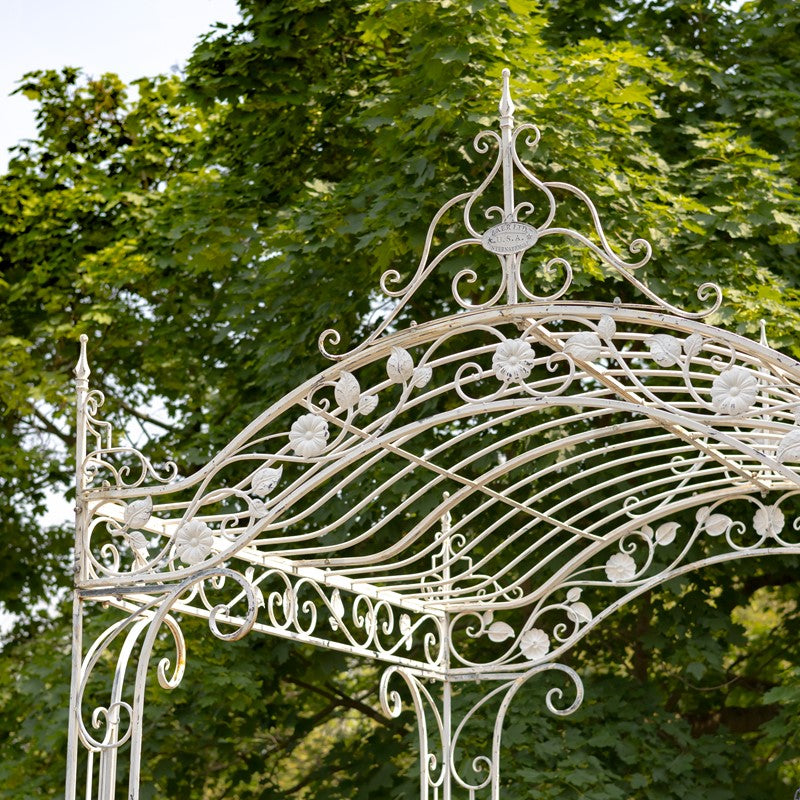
(506, 104)
(762, 324)
(82, 370)
(446, 517)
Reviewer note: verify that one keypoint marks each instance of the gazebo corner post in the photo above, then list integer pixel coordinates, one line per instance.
(447, 685)
(70, 792)
(79, 569)
(447, 704)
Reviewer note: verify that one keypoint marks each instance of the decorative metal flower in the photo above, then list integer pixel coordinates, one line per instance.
(620, 567)
(769, 521)
(513, 360)
(789, 447)
(734, 391)
(534, 644)
(193, 542)
(309, 435)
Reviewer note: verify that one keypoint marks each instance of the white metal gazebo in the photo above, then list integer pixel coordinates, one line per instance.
(463, 433)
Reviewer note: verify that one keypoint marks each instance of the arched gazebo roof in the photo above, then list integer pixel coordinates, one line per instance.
(507, 475)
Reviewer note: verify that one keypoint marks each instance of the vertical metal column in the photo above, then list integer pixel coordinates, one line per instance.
(82, 373)
(447, 688)
(506, 108)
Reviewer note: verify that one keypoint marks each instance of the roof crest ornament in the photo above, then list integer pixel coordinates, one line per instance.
(511, 236)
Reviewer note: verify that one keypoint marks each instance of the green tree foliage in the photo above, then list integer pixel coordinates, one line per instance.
(204, 230)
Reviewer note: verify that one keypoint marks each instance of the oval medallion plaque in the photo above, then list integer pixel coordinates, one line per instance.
(510, 237)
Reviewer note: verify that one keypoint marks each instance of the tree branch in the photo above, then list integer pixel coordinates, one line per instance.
(135, 411)
(51, 427)
(332, 693)
(308, 778)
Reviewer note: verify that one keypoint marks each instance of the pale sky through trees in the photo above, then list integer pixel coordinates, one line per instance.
(133, 39)
(147, 37)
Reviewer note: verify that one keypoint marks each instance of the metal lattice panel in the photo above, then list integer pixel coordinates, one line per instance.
(506, 476)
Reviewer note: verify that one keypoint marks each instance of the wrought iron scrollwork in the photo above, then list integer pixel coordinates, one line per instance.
(440, 734)
(509, 237)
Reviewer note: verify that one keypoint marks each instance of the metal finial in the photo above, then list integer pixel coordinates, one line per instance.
(446, 517)
(82, 370)
(506, 104)
(762, 325)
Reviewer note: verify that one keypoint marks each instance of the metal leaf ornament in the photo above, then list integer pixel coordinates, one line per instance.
(692, 345)
(400, 366)
(367, 403)
(138, 513)
(499, 631)
(606, 327)
(665, 534)
(665, 350)
(585, 346)
(347, 391)
(265, 479)
(421, 376)
(714, 524)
